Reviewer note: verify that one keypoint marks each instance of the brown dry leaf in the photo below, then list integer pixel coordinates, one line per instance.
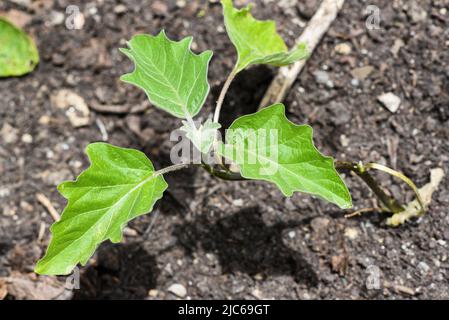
(29, 287)
(413, 209)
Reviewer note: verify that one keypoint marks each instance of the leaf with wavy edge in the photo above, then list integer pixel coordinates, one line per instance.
(119, 186)
(172, 76)
(267, 146)
(257, 42)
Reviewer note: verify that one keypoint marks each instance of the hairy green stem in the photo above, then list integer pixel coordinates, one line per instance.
(216, 119)
(389, 202)
(222, 95)
(172, 168)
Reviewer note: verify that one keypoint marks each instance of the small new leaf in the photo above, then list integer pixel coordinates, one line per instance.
(202, 137)
(119, 185)
(267, 146)
(172, 76)
(257, 42)
(18, 52)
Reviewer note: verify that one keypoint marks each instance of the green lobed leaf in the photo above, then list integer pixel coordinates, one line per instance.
(267, 146)
(172, 76)
(18, 52)
(119, 185)
(257, 42)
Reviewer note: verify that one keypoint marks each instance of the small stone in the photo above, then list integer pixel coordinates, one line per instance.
(319, 224)
(153, 293)
(390, 101)
(237, 202)
(423, 267)
(56, 18)
(351, 233)
(129, 232)
(4, 192)
(9, 211)
(121, 8)
(343, 49)
(355, 82)
(258, 277)
(27, 138)
(416, 13)
(76, 108)
(257, 294)
(58, 59)
(8, 134)
(55, 177)
(397, 45)
(181, 3)
(344, 140)
(362, 73)
(178, 290)
(292, 234)
(323, 77)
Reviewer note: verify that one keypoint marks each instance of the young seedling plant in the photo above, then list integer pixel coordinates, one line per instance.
(122, 184)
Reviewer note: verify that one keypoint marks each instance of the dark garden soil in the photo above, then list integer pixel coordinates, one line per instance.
(237, 239)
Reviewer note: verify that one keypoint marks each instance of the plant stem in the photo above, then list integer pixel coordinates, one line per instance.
(389, 202)
(216, 119)
(222, 95)
(224, 174)
(172, 168)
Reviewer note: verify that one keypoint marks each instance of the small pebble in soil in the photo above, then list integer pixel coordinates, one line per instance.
(256, 293)
(119, 9)
(344, 140)
(423, 267)
(390, 101)
(323, 77)
(178, 290)
(351, 233)
(27, 138)
(343, 49)
(181, 3)
(8, 134)
(153, 293)
(355, 82)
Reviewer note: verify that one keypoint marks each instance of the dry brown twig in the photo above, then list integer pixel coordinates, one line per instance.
(312, 34)
(43, 200)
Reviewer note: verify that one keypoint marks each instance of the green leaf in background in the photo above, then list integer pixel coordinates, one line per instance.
(203, 137)
(119, 185)
(18, 52)
(267, 146)
(257, 42)
(173, 77)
